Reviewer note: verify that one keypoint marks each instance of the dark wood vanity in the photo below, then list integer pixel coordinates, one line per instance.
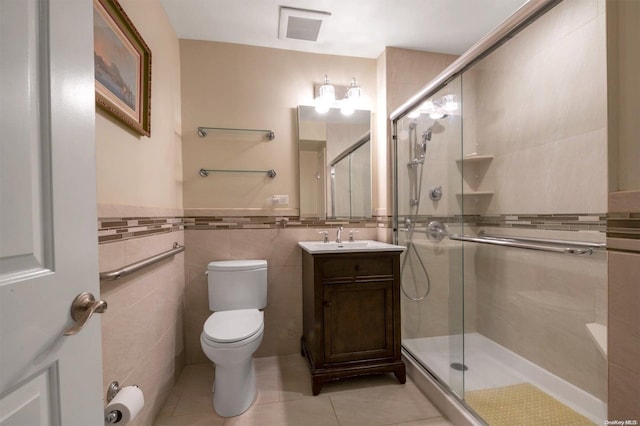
(351, 315)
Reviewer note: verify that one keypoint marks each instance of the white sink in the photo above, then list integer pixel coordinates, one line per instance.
(315, 247)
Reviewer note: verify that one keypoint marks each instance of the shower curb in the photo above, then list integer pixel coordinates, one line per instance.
(451, 408)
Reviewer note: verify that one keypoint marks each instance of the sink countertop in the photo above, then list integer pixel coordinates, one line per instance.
(318, 247)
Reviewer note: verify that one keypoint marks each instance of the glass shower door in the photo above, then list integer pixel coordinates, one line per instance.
(428, 205)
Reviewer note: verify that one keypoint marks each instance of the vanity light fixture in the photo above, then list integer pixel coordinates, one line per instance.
(351, 98)
(327, 98)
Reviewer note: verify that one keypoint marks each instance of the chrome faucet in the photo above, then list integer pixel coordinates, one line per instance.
(339, 235)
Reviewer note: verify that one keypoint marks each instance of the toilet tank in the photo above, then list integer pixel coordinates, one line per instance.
(237, 284)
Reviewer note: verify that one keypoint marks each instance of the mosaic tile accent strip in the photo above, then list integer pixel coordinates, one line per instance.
(119, 229)
(555, 222)
(623, 225)
(274, 222)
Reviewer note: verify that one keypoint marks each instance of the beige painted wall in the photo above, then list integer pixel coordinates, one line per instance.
(142, 337)
(141, 171)
(238, 86)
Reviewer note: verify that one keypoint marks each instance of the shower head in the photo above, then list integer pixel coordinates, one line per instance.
(413, 124)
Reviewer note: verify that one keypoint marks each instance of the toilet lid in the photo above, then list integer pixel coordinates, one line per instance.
(233, 326)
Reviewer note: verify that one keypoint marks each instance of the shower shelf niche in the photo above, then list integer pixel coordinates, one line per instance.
(475, 194)
(476, 158)
(474, 168)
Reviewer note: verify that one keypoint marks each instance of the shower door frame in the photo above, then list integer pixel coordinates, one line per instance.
(526, 14)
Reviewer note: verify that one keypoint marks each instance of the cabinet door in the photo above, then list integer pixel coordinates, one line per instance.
(358, 321)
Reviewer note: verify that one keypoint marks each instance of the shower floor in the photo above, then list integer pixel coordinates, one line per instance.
(491, 365)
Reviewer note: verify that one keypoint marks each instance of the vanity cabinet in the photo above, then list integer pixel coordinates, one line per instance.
(351, 315)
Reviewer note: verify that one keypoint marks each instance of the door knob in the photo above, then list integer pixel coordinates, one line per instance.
(82, 308)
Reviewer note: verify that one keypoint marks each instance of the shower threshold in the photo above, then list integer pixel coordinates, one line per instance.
(491, 365)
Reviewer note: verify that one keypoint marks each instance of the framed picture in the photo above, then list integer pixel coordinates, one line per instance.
(122, 67)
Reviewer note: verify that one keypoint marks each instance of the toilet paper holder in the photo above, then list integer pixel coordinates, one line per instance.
(114, 416)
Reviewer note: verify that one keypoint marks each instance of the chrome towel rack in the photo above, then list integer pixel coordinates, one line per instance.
(203, 131)
(116, 274)
(205, 172)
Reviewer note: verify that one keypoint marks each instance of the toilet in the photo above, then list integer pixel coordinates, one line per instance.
(230, 336)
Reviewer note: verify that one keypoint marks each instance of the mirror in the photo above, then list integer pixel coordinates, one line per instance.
(335, 163)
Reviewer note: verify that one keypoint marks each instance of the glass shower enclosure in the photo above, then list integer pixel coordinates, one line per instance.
(500, 198)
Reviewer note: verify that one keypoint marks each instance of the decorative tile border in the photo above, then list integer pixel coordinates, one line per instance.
(623, 222)
(274, 222)
(119, 229)
(552, 222)
(124, 228)
(623, 232)
(624, 225)
(555, 222)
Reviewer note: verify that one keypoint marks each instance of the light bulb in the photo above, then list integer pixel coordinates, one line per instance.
(327, 92)
(347, 109)
(321, 107)
(449, 103)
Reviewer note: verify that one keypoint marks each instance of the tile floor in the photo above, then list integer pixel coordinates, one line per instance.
(284, 398)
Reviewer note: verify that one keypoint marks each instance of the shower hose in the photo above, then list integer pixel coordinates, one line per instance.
(413, 141)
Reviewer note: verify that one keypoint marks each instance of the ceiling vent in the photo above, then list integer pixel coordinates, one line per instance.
(300, 24)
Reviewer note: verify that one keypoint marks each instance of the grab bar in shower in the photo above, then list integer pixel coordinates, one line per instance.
(116, 274)
(483, 234)
(510, 242)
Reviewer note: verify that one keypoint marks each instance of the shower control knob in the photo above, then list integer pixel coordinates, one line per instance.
(435, 193)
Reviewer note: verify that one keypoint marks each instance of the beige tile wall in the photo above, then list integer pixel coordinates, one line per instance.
(440, 312)
(624, 310)
(142, 330)
(400, 74)
(537, 304)
(283, 314)
(624, 336)
(623, 55)
(540, 108)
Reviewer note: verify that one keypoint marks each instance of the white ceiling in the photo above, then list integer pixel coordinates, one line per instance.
(361, 28)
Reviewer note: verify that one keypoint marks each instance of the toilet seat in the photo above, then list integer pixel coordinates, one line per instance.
(225, 327)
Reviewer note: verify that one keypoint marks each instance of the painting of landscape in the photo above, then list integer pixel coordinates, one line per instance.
(122, 62)
(117, 65)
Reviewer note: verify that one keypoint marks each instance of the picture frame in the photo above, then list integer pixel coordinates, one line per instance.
(122, 67)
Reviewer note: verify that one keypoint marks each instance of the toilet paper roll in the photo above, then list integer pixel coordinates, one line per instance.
(127, 404)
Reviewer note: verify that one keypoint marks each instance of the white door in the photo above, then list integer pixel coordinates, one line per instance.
(48, 241)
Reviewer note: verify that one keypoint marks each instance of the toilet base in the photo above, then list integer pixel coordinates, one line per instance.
(234, 389)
